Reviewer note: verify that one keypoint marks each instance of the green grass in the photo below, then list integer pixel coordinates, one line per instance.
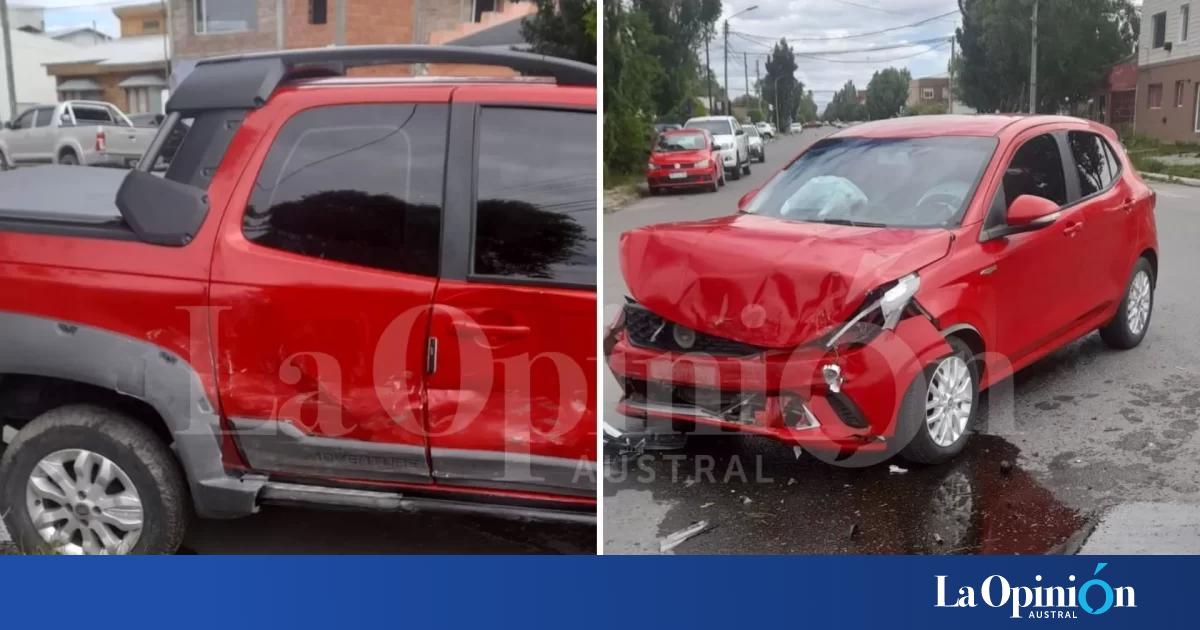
(1143, 151)
(618, 180)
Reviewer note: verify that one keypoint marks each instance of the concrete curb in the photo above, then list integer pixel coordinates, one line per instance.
(1172, 179)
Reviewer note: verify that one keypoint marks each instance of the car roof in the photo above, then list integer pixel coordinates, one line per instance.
(954, 125)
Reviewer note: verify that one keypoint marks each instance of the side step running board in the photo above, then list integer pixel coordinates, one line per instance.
(299, 494)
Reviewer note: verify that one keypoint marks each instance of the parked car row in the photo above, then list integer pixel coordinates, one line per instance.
(704, 152)
(89, 133)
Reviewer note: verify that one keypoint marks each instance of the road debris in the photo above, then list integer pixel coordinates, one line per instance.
(678, 538)
(798, 451)
(791, 481)
(746, 500)
(855, 530)
(707, 505)
(896, 470)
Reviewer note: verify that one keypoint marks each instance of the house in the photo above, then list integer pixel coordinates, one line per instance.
(33, 85)
(206, 28)
(80, 35)
(129, 72)
(1114, 103)
(1168, 72)
(927, 90)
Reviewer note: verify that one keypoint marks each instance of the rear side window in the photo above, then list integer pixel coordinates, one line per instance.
(535, 215)
(1036, 169)
(86, 114)
(358, 184)
(1095, 164)
(44, 116)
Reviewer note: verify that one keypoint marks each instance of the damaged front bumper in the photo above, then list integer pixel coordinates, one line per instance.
(810, 396)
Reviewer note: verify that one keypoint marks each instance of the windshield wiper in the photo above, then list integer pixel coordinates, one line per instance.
(850, 223)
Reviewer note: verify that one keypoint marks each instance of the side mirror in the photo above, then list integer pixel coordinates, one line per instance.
(741, 132)
(1026, 214)
(744, 202)
(161, 211)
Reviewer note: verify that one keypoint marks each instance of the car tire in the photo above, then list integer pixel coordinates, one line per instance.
(68, 158)
(929, 441)
(1129, 326)
(4, 163)
(762, 157)
(746, 166)
(117, 446)
(736, 173)
(714, 186)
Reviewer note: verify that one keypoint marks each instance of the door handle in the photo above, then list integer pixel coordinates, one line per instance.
(1073, 228)
(496, 335)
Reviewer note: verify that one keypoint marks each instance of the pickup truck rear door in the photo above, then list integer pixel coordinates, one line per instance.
(323, 278)
(20, 137)
(512, 394)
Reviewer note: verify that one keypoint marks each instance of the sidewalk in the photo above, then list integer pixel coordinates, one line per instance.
(1146, 528)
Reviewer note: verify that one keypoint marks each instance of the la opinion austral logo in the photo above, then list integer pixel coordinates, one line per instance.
(1041, 600)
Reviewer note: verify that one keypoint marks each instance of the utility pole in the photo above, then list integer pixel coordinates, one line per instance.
(1033, 64)
(707, 71)
(726, 49)
(757, 85)
(950, 104)
(8, 60)
(746, 70)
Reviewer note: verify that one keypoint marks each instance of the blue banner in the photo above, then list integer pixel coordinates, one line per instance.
(601, 592)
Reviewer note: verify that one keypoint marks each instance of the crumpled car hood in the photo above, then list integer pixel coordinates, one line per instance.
(768, 282)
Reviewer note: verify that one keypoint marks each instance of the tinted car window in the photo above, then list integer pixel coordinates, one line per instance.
(359, 184)
(1036, 169)
(536, 209)
(44, 116)
(1094, 162)
(84, 114)
(24, 121)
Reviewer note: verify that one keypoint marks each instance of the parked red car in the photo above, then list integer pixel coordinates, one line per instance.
(683, 158)
(871, 289)
(347, 292)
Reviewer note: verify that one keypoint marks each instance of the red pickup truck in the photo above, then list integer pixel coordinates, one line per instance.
(346, 291)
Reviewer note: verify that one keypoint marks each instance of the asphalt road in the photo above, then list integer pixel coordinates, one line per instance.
(1099, 441)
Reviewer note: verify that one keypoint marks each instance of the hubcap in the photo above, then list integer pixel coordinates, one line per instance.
(81, 502)
(948, 403)
(1137, 305)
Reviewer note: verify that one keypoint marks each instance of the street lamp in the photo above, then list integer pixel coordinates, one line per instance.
(728, 104)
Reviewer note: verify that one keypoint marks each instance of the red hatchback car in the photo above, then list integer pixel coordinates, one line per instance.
(871, 289)
(683, 158)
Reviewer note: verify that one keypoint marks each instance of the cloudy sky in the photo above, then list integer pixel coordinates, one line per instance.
(71, 13)
(820, 27)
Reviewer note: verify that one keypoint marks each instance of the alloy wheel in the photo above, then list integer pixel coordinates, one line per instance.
(1137, 305)
(948, 401)
(81, 502)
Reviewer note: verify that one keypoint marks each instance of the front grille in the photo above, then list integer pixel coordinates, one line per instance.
(648, 330)
(722, 404)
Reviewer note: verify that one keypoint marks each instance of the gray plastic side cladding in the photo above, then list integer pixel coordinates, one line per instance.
(46, 347)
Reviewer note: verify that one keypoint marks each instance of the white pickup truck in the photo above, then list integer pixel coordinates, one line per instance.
(90, 133)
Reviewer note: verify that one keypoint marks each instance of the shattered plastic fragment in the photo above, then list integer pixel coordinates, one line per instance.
(798, 451)
(896, 470)
(747, 500)
(674, 540)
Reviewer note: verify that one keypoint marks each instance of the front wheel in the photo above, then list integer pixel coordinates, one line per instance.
(736, 173)
(746, 166)
(1129, 327)
(86, 480)
(949, 389)
(68, 159)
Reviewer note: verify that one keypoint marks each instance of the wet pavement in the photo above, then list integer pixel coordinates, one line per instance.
(1078, 448)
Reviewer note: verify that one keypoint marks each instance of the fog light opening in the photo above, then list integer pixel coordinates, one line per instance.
(832, 373)
(797, 415)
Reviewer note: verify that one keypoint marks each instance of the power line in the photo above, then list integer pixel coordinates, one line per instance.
(853, 35)
(867, 6)
(841, 51)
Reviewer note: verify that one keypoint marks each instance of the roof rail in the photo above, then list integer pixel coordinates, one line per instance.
(247, 81)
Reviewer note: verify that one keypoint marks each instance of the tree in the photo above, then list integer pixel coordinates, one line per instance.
(806, 111)
(563, 28)
(681, 26)
(1079, 40)
(887, 92)
(630, 72)
(781, 75)
(845, 105)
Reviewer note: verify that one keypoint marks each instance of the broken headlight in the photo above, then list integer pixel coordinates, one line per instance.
(881, 313)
